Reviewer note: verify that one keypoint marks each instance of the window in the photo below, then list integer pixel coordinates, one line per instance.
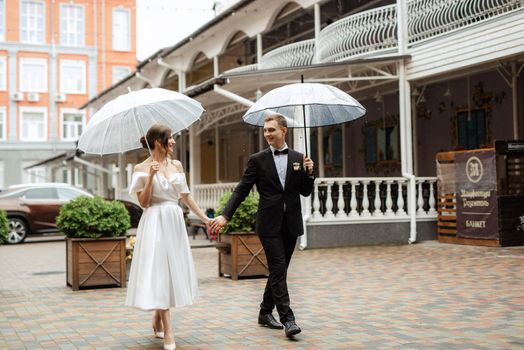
(120, 73)
(33, 74)
(3, 73)
(121, 30)
(472, 129)
(1, 174)
(2, 20)
(33, 175)
(72, 77)
(67, 194)
(72, 124)
(382, 144)
(3, 128)
(41, 193)
(72, 25)
(32, 22)
(67, 176)
(33, 123)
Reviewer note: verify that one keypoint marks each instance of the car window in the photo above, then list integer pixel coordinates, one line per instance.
(68, 193)
(41, 193)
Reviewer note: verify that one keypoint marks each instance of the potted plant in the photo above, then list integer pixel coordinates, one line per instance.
(95, 241)
(240, 251)
(4, 227)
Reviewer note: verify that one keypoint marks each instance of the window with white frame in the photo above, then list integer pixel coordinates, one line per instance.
(67, 176)
(72, 77)
(121, 29)
(32, 21)
(1, 174)
(72, 124)
(3, 130)
(3, 73)
(34, 174)
(33, 123)
(33, 74)
(2, 20)
(119, 73)
(72, 25)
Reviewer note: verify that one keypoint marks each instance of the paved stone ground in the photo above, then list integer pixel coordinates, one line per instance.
(422, 296)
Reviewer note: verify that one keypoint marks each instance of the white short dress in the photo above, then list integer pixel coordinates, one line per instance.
(162, 270)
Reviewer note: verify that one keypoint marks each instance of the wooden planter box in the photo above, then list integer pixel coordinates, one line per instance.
(241, 255)
(96, 262)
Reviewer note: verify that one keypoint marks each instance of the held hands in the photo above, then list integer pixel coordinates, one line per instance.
(216, 225)
(308, 165)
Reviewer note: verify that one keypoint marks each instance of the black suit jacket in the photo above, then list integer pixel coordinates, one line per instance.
(262, 172)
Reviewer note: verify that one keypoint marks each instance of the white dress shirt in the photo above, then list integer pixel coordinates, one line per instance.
(280, 163)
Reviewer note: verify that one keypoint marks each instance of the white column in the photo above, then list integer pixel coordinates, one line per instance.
(420, 200)
(259, 49)
(181, 81)
(389, 200)
(329, 201)
(400, 200)
(431, 200)
(194, 158)
(316, 8)
(217, 155)
(216, 69)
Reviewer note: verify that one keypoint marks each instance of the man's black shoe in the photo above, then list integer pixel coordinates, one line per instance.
(291, 328)
(269, 321)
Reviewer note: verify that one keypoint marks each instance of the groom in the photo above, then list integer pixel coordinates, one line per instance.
(281, 175)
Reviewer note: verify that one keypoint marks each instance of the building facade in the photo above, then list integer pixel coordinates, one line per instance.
(55, 56)
(433, 75)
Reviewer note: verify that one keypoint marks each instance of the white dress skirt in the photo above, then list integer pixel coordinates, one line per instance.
(162, 271)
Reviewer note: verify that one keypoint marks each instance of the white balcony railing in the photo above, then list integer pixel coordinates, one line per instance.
(371, 31)
(243, 69)
(429, 18)
(293, 55)
(357, 198)
(375, 31)
(350, 198)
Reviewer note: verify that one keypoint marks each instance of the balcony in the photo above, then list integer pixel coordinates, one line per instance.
(297, 54)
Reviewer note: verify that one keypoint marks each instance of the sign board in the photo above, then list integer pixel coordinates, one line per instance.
(476, 186)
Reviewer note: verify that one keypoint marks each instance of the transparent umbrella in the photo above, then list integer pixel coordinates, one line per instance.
(118, 126)
(306, 105)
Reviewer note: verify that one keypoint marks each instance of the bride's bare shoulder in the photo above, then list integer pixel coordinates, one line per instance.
(143, 167)
(178, 165)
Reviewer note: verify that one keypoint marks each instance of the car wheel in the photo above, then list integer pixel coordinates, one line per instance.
(17, 232)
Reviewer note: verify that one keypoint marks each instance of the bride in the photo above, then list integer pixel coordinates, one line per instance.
(162, 271)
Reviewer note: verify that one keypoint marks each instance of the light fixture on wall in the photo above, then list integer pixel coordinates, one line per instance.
(415, 92)
(378, 97)
(447, 93)
(258, 94)
(422, 99)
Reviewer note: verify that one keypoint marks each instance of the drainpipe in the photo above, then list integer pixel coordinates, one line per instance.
(406, 141)
(232, 96)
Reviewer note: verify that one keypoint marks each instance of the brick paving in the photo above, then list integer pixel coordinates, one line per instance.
(422, 296)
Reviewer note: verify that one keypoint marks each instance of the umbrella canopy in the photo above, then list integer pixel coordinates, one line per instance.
(118, 126)
(312, 103)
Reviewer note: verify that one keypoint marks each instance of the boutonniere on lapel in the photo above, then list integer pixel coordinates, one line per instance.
(296, 166)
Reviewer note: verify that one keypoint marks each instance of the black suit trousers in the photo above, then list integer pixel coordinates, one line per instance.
(278, 250)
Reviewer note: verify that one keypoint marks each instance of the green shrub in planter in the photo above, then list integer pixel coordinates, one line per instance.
(244, 218)
(4, 227)
(93, 217)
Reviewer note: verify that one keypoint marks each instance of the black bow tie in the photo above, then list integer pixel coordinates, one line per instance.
(284, 151)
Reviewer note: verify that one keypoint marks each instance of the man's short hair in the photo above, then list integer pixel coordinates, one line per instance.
(279, 118)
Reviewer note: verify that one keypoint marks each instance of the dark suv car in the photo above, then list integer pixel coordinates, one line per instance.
(33, 208)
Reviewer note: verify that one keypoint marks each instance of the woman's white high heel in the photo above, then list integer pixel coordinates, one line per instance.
(171, 346)
(159, 335)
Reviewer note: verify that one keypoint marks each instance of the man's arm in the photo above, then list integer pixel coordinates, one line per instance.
(239, 194)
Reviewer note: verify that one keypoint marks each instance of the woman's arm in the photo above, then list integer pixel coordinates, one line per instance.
(188, 200)
(144, 197)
